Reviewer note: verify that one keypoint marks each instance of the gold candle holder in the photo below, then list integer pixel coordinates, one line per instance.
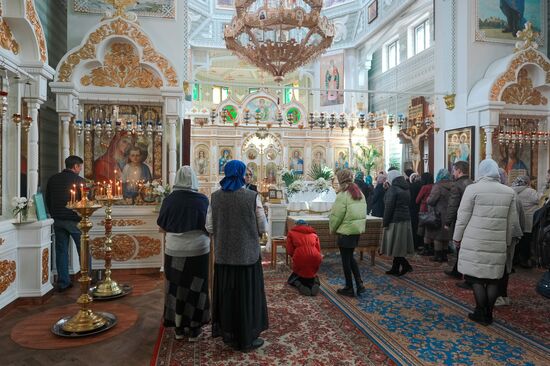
(108, 287)
(85, 320)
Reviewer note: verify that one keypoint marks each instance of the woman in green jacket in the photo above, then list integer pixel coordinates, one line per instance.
(348, 218)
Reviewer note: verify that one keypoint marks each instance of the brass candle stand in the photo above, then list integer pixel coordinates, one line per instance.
(85, 322)
(109, 288)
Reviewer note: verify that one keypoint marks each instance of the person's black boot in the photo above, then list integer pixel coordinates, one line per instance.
(479, 316)
(406, 268)
(489, 315)
(360, 288)
(394, 268)
(437, 256)
(346, 291)
(427, 250)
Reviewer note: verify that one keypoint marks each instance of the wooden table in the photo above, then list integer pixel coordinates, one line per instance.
(369, 241)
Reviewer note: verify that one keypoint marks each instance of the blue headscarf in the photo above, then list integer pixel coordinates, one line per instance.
(234, 176)
(442, 174)
(368, 180)
(300, 222)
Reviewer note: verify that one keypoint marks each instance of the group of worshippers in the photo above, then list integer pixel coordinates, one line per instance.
(487, 220)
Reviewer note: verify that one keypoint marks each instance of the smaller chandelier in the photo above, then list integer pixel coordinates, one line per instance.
(278, 36)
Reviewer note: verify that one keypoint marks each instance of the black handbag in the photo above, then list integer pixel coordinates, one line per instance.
(430, 219)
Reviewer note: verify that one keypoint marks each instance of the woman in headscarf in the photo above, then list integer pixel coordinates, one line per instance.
(378, 196)
(414, 208)
(439, 201)
(427, 180)
(529, 199)
(487, 219)
(370, 190)
(237, 220)
(348, 218)
(182, 216)
(398, 237)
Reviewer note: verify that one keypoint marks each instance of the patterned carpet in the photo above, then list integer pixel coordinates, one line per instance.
(415, 325)
(303, 331)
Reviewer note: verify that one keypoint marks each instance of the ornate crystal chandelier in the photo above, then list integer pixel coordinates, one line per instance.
(278, 35)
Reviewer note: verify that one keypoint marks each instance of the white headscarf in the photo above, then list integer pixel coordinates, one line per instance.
(392, 174)
(489, 168)
(186, 179)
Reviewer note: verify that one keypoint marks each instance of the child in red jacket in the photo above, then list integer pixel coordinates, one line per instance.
(302, 244)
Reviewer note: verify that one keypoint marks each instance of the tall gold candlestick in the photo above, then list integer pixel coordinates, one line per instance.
(108, 287)
(85, 320)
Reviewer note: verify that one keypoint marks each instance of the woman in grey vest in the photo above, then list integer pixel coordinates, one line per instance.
(236, 219)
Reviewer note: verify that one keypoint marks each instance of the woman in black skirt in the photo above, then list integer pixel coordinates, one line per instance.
(187, 246)
(236, 219)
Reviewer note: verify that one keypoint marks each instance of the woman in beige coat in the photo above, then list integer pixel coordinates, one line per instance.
(487, 218)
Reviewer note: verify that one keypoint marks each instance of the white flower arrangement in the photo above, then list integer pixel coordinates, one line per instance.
(21, 205)
(159, 189)
(295, 187)
(321, 185)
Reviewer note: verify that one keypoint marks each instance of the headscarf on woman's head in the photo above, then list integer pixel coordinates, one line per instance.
(345, 180)
(489, 168)
(503, 177)
(186, 179)
(234, 176)
(522, 180)
(381, 178)
(359, 175)
(414, 177)
(392, 174)
(368, 180)
(442, 174)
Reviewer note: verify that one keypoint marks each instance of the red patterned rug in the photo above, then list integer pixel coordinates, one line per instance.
(302, 331)
(527, 314)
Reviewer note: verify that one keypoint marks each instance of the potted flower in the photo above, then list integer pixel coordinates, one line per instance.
(21, 208)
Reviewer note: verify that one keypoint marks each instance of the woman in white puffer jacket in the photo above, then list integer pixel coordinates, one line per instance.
(487, 217)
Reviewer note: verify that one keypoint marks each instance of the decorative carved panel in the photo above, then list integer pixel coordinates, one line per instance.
(124, 222)
(45, 266)
(122, 68)
(148, 247)
(123, 248)
(7, 274)
(529, 56)
(117, 27)
(37, 26)
(522, 92)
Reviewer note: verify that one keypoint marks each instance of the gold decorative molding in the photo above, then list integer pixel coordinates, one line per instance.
(124, 247)
(7, 274)
(522, 92)
(117, 27)
(122, 68)
(38, 31)
(124, 222)
(528, 56)
(148, 247)
(7, 40)
(120, 6)
(528, 38)
(45, 266)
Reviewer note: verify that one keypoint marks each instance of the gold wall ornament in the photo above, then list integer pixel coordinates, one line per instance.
(45, 265)
(116, 27)
(123, 249)
(528, 38)
(281, 37)
(38, 31)
(125, 222)
(520, 59)
(7, 40)
(148, 247)
(522, 92)
(122, 68)
(7, 274)
(120, 6)
(449, 101)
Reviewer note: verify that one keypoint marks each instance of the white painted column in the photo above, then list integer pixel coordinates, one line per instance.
(172, 153)
(32, 149)
(489, 143)
(65, 138)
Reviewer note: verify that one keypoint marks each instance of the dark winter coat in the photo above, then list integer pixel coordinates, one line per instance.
(378, 201)
(396, 202)
(58, 193)
(414, 207)
(457, 190)
(439, 199)
(302, 244)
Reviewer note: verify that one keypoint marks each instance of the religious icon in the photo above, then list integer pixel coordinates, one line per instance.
(224, 158)
(135, 171)
(319, 157)
(332, 80)
(458, 147)
(271, 154)
(201, 160)
(252, 154)
(297, 162)
(271, 173)
(342, 160)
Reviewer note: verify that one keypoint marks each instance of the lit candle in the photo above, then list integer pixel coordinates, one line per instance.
(72, 196)
(82, 194)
